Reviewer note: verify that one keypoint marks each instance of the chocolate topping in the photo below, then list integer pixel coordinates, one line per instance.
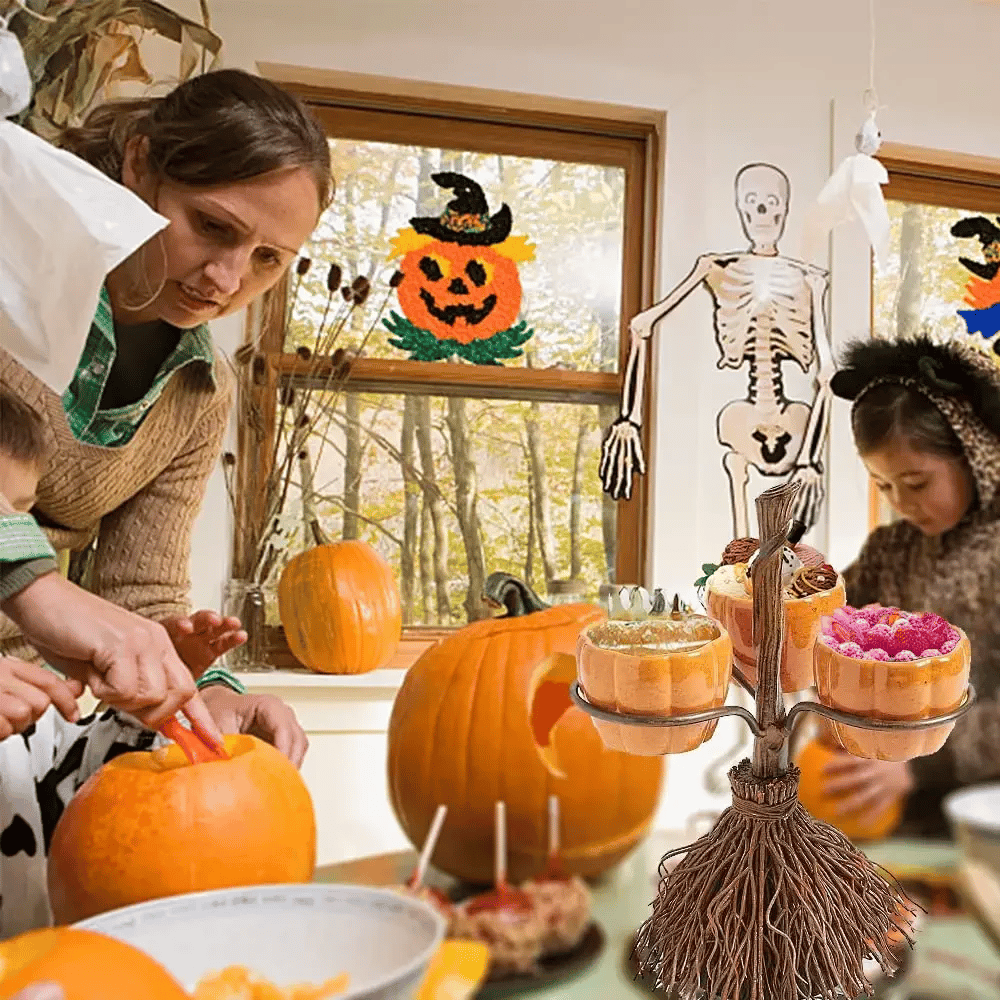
(739, 550)
(812, 580)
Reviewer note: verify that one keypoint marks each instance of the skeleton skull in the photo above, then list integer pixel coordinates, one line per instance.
(762, 193)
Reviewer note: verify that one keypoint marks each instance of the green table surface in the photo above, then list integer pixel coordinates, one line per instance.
(953, 959)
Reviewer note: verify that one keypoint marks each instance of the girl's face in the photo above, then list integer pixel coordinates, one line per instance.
(225, 246)
(932, 492)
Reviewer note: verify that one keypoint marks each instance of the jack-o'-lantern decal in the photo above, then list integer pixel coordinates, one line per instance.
(458, 283)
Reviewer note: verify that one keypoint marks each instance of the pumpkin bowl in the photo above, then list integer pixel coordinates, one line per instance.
(803, 617)
(654, 668)
(288, 934)
(901, 691)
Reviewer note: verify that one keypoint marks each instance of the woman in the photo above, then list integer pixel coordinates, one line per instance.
(242, 172)
(926, 423)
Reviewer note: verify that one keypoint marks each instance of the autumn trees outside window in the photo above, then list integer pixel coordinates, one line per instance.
(451, 468)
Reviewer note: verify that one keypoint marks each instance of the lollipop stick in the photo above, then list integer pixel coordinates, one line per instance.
(500, 864)
(428, 849)
(553, 826)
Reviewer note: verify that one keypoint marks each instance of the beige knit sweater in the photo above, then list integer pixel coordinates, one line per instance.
(139, 500)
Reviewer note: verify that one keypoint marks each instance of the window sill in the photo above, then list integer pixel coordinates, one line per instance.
(388, 679)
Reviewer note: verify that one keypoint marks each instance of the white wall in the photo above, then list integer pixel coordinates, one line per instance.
(741, 80)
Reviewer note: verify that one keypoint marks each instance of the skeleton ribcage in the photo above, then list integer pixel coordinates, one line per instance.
(762, 295)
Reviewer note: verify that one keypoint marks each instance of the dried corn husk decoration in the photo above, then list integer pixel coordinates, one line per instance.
(91, 45)
(771, 904)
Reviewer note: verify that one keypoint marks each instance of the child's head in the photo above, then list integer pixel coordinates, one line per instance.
(914, 457)
(22, 451)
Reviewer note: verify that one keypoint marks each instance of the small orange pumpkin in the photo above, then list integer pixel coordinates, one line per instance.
(459, 292)
(859, 826)
(87, 965)
(482, 716)
(149, 825)
(340, 608)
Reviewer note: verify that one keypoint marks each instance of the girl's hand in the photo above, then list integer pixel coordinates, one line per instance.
(41, 991)
(201, 638)
(261, 715)
(27, 690)
(867, 785)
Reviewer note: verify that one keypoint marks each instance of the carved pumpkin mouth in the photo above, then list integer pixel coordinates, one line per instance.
(473, 315)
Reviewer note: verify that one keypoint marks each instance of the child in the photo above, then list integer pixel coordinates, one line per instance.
(46, 751)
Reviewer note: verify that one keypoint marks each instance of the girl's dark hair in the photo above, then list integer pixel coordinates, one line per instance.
(217, 128)
(22, 433)
(897, 412)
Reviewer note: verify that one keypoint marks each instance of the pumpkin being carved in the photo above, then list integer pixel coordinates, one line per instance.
(484, 715)
(459, 292)
(340, 608)
(149, 825)
(87, 965)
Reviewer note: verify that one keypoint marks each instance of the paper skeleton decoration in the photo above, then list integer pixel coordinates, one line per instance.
(768, 309)
(982, 292)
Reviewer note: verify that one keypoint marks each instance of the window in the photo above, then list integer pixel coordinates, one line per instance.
(925, 284)
(454, 468)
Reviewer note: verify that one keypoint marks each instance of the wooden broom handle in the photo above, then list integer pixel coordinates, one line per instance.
(774, 516)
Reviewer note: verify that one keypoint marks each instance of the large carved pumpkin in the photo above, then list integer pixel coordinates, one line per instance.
(470, 726)
(149, 825)
(459, 292)
(340, 608)
(87, 965)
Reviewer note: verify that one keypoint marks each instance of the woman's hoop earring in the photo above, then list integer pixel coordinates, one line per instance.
(150, 293)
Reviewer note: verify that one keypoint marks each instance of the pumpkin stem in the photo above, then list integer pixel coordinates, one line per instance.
(504, 590)
(319, 535)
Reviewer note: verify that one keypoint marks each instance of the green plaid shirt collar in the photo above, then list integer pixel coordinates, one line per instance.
(82, 400)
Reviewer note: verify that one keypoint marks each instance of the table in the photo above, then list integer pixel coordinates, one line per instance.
(621, 903)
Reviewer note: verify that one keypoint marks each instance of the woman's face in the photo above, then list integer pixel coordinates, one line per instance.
(225, 246)
(932, 492)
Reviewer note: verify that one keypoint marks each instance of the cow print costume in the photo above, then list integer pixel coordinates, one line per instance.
(41, 769)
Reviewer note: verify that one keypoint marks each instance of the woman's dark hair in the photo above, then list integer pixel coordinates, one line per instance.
(892, 411)
(217, 128)
(22, 434)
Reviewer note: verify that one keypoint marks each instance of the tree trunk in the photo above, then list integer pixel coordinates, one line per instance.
(576, 496)
(352, 465)
(609, 508)
(435, 503)
(426, 563)
(908, 305)
(529, 557)
(540, 491)
(466, 501)
(411, 510)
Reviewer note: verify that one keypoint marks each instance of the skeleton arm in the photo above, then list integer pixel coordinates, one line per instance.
(809, 464)
(621, 451)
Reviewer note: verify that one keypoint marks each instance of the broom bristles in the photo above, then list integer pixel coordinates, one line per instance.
(771, 904)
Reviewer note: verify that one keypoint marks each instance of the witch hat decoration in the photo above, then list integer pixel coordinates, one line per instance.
(466, 218)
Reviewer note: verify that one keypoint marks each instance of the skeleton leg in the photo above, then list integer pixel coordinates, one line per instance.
(736, 467)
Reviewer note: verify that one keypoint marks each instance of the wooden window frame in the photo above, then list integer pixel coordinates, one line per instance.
(377, 109)
(934, 177)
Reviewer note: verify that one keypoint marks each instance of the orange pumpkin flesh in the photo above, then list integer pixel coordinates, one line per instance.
(87, 965)
(463, 734)
(150, 825)
(459, 292)
(340, 608)
(859, 826)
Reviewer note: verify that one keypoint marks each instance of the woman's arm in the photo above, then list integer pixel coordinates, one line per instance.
(144, 549)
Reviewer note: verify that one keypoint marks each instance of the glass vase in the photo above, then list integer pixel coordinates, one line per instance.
(249, 602)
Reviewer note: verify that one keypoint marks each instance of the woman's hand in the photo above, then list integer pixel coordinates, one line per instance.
(27, 690)
(126, 660)
(261, 715)
(867, 785)
(201, 638)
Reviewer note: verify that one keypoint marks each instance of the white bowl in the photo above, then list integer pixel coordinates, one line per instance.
(288, 934)
(974, 814)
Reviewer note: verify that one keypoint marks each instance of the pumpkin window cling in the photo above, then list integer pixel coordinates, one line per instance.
(458, 282)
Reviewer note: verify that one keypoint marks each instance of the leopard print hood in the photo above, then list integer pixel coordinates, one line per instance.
(960, 380)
